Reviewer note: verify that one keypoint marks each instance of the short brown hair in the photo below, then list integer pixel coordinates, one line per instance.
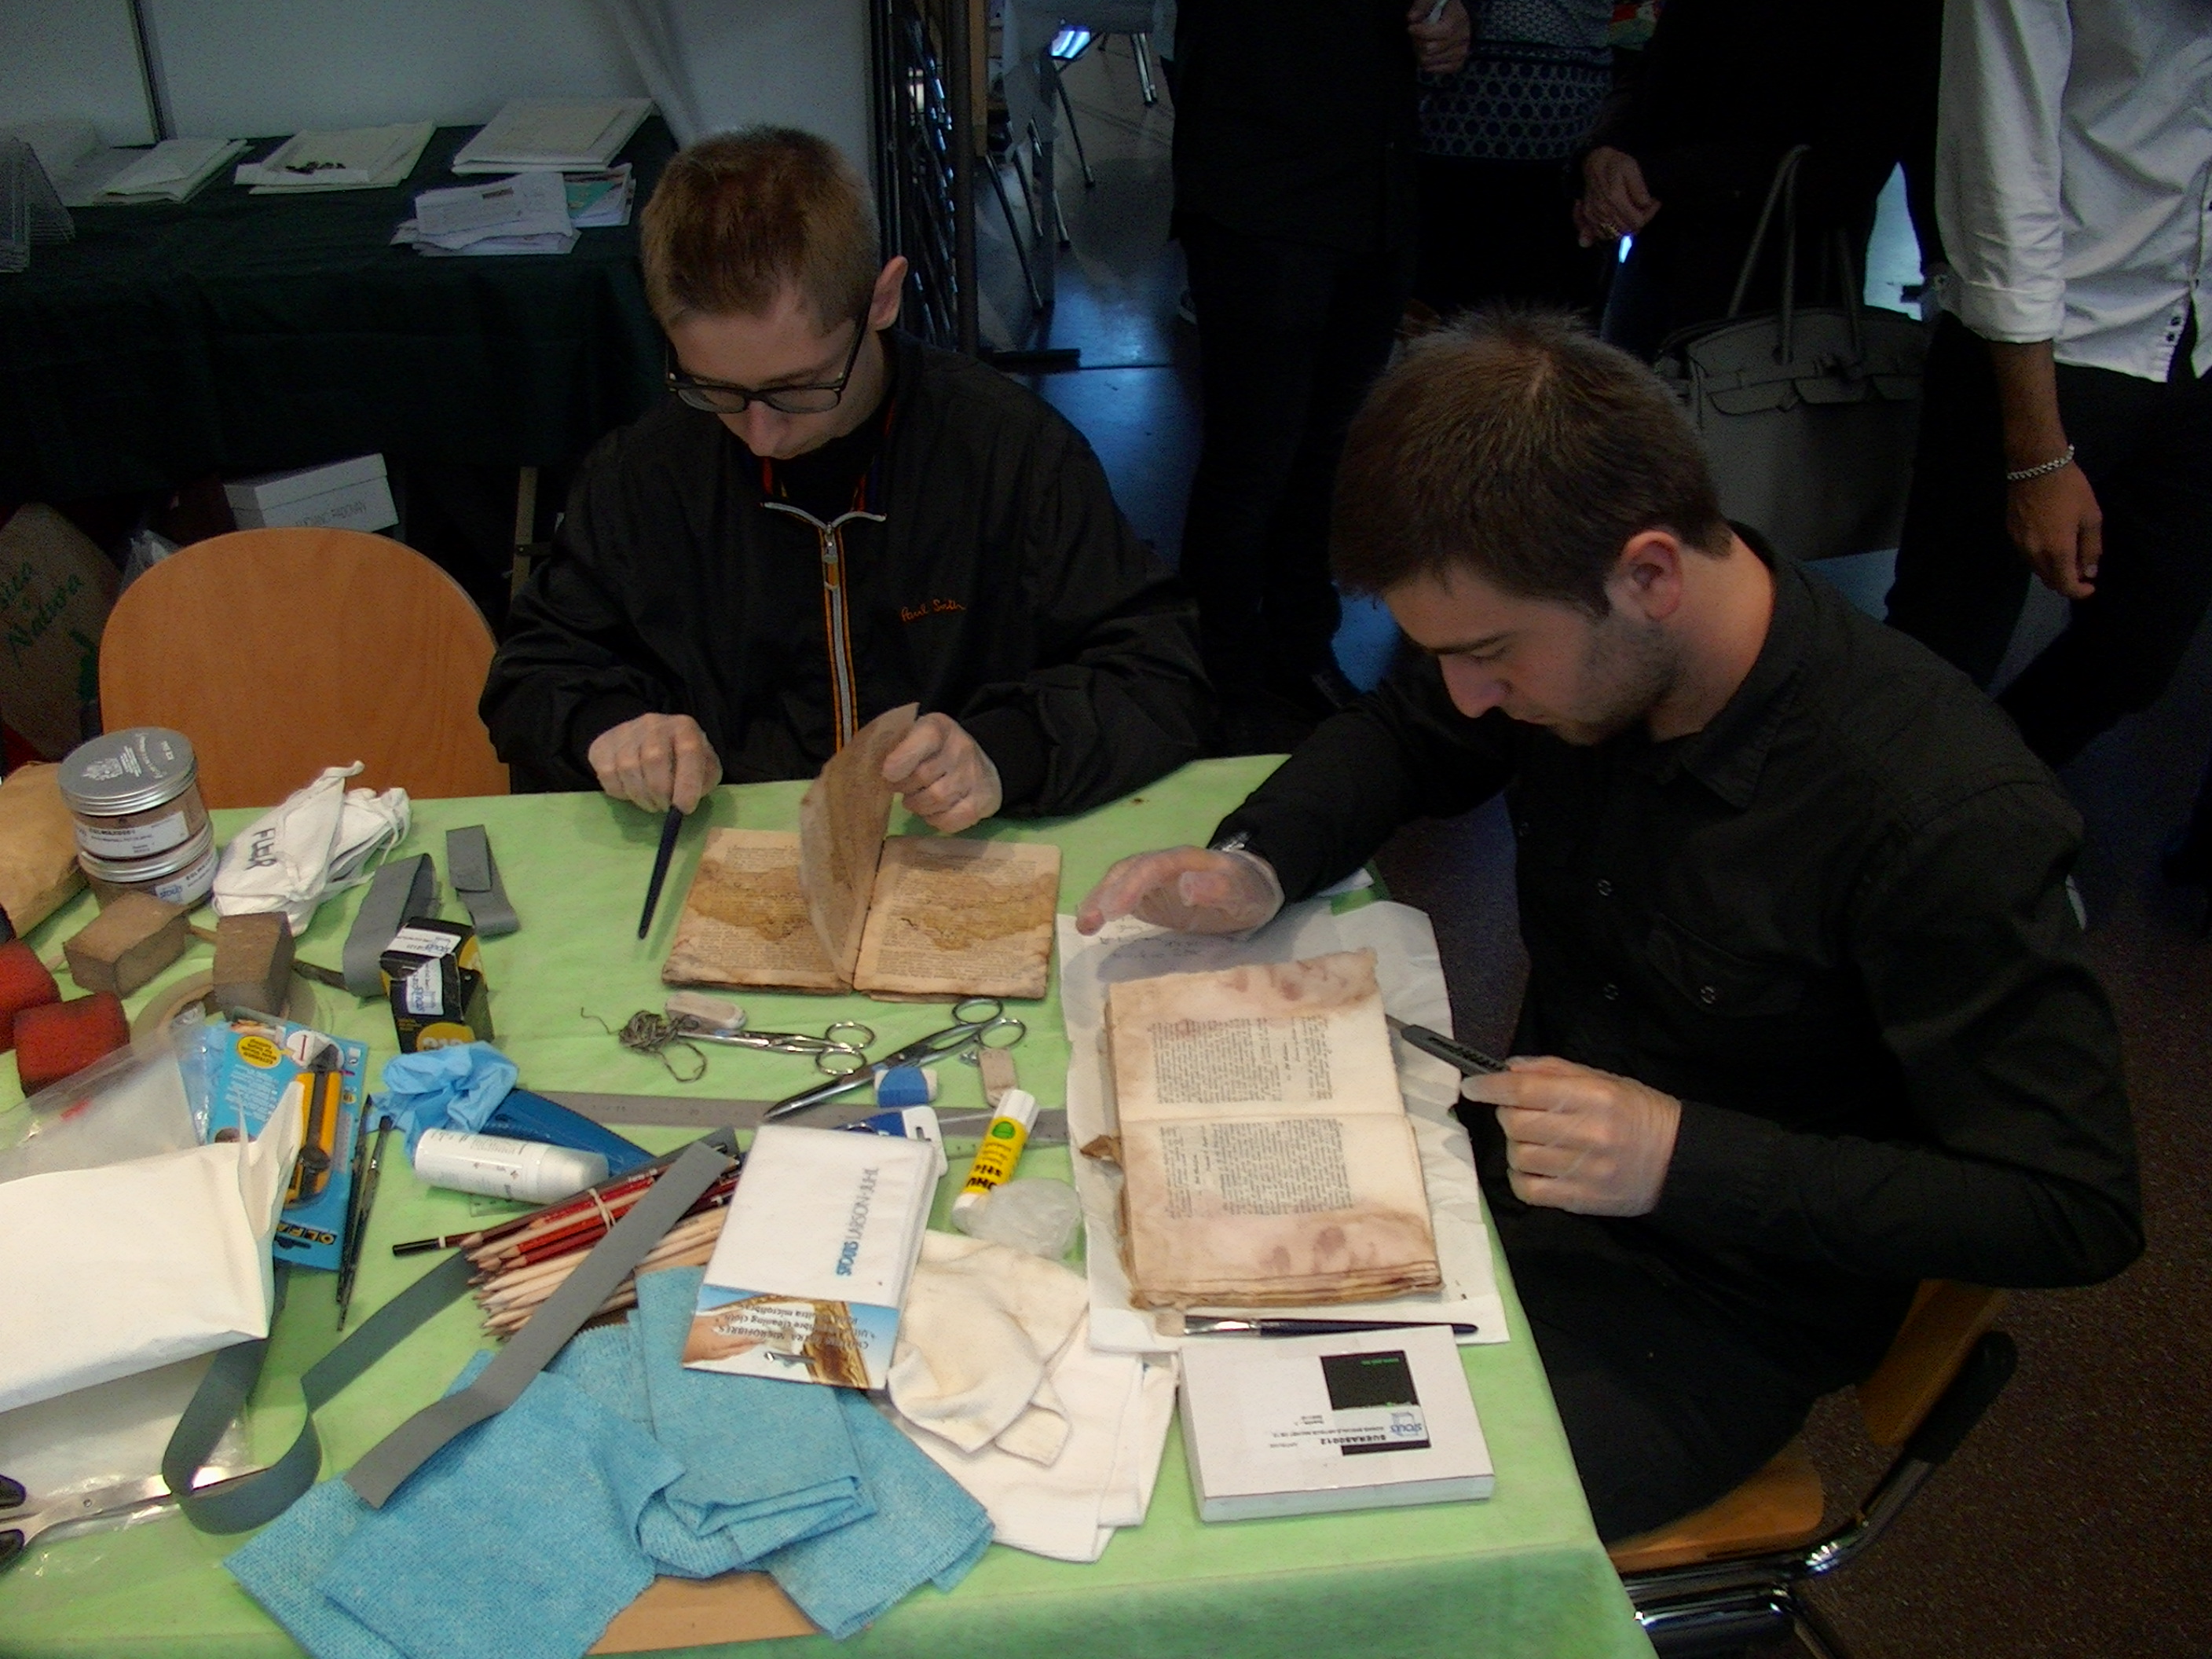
(1512, 444)
(738, 218)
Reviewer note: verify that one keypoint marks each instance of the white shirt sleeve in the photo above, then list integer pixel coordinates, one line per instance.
(1997, 168)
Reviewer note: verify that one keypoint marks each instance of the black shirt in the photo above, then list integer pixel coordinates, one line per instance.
(1298, 120)
(1834, 923)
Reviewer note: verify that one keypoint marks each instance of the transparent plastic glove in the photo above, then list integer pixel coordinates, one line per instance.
(1192, 890)
(1037, 1216)
(1579, 1139)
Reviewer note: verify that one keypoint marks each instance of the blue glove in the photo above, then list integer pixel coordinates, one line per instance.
(453, 1088)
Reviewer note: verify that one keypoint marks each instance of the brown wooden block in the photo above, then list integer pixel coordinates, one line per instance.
(252, 962)
(127, 944)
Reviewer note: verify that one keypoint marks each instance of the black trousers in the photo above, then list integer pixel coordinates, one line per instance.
(2146, 448)
(1503, 231)
(1665, 1405)
(1289, 336)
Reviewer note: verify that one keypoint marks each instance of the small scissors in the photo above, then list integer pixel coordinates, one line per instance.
(978, 1022)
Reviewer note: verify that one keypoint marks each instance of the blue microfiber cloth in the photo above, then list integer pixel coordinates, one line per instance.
(532, 1521)
(454, 1088)
(765, 1463)
(603, 1362)
(926, 1530)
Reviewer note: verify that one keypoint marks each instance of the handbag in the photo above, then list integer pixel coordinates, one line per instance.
(1808, 414)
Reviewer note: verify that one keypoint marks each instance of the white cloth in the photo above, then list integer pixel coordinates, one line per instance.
(116, 1270)
(321, 840)
(1119, 1407)
(2074, 176)
(981, 1325)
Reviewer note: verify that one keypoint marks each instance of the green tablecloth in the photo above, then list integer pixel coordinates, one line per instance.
(242, 333)
(1520, 1574)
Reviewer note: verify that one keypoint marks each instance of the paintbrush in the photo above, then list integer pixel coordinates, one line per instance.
(669, 826)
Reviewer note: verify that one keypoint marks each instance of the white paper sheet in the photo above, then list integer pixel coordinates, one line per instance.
(1413, 983)
(116, 1270)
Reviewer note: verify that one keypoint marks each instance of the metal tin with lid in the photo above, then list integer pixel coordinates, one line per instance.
(134, 793)
(181, 876)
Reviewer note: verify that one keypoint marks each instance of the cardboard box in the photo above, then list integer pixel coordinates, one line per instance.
(353, 494)
(434, 978)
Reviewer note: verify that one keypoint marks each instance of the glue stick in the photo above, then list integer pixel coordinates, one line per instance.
(1001, 1149)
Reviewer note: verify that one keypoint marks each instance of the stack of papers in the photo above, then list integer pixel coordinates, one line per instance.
(599, 198)
(172, 171)
(358, 158)
(568, 135)
(526, 214)
(29, 210)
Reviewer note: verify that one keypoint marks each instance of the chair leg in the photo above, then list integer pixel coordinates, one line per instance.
(1140, 47)
(1014, 234)
(1090, 179)
(1813, 1631)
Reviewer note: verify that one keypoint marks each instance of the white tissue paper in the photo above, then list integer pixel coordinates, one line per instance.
(320, 841)
(116, 1270)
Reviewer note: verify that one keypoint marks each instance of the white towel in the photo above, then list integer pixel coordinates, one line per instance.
(317, 841)
(1119, 1407)
(980, 1328)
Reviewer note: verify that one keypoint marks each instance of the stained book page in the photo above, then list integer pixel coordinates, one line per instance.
(960, 918)
(1275, 1210)
(842, 820)
(744, 921)
(1297, 1036)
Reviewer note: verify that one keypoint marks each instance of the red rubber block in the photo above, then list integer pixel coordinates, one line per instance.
(24, 984)
(60, 1039)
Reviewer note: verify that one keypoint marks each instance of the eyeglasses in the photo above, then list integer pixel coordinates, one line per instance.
(720, 398)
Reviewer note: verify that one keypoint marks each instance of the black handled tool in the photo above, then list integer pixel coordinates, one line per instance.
(364, 1195)
(1469, 1062)
(669, 826)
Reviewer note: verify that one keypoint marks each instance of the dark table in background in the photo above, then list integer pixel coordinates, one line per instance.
(238, 333)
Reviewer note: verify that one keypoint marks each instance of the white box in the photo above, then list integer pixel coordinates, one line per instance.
(351, 495)
(1284, 1425)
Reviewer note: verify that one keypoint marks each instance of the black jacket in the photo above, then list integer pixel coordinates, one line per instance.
(1000, 585)
(1835, 924)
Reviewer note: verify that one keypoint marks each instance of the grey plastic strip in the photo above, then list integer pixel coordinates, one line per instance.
(403, 889)
(475, 875)
(400, 1453)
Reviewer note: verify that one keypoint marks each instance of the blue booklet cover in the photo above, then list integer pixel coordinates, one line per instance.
(236, 1073)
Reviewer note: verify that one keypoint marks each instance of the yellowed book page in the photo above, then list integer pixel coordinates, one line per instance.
(744, 921)
(842, 820)
(1280, 1210)
(960, 918)
(1290, 1037)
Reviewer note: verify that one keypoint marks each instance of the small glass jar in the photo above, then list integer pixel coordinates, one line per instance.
(182, 876)
(136, 795)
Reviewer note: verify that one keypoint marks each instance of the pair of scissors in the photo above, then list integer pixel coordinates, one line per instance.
(839, 1056)
(978, 1022)
(22, 1518)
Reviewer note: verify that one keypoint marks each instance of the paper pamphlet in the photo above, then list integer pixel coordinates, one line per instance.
(1411, 979)
(909, 916)
(354, 158)
(570, 134)
(812, 1264)
(1264, 1148)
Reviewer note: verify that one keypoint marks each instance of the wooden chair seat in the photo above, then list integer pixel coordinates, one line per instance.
(1777, 1508)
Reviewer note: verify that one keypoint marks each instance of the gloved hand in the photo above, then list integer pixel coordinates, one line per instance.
(1192, 890)
(1578, 1139)
(943, 776)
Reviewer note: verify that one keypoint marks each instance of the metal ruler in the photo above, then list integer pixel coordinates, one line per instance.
(674, 1111)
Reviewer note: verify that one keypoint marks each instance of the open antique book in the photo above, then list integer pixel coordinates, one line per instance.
(1266, 1154)
(841, 906)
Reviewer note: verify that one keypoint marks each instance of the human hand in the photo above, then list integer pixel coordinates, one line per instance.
(942, 775)
(2055, 523)
(656, 761)
(1615, 201)
(1439, 48)
(1578, 1139)
(1192, 890)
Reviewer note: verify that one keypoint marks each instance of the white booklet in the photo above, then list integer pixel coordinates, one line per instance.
(569, 134)
(1297, 1426)
(812, 1267)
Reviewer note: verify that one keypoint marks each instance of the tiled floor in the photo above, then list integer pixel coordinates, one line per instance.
(2074, 1521)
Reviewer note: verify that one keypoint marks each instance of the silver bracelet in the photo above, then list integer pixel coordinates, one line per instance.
(2044, 471)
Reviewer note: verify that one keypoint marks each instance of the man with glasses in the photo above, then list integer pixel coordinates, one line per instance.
(826, 520)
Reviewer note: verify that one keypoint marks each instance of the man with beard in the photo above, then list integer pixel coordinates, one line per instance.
(1808, 1018)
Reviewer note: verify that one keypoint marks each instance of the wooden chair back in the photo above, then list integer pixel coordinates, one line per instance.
(281, 652)
(1781, 1506)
